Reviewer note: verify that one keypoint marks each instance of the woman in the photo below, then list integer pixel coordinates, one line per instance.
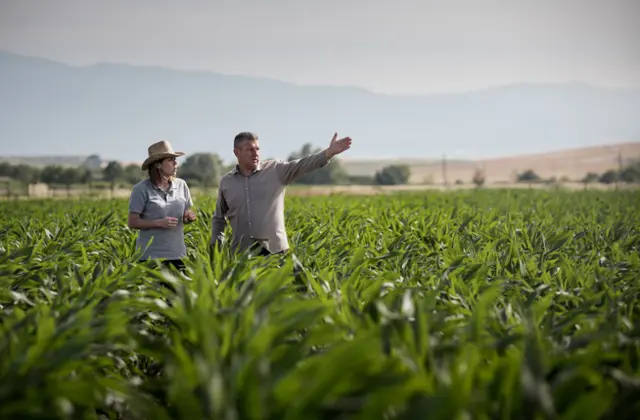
(160, 206)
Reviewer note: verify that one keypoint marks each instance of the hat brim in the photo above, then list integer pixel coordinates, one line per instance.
(158, 157)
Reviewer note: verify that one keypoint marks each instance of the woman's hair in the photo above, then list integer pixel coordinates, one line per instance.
(154, 172)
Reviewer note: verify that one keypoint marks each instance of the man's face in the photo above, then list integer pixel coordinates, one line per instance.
(248, 154)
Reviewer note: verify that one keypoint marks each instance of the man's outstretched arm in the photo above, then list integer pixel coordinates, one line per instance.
(290, 171)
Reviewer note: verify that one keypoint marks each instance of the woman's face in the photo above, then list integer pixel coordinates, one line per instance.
(169, 166)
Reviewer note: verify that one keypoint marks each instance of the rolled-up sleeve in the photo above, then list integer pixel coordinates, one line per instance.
(187, 196)
(218, 221)
(292, 170)
(137, 200)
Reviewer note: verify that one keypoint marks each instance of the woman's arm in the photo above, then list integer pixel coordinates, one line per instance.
(189, 215)
(137, 202)
(136, 222)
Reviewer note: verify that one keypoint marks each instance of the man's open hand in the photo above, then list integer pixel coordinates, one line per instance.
(338, 146)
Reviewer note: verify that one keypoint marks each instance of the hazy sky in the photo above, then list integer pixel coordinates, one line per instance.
(399, 46)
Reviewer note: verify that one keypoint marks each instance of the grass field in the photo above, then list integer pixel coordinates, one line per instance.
(489, 304)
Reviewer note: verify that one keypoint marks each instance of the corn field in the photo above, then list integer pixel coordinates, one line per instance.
(488, 304)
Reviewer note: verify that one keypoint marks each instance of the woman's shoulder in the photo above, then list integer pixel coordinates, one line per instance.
(142, 185)
(180, 182)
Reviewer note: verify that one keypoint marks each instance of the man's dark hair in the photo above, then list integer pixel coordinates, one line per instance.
(241, 137)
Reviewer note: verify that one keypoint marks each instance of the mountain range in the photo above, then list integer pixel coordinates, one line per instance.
(117, 110)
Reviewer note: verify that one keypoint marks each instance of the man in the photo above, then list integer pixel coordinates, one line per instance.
(251, 196)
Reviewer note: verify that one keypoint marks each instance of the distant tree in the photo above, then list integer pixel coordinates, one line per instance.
(6, 169)
(113, 172)
(631, 173)
(589, 178)
(609, 177)
(333, 173)
(478, 178)
(25, 174)
(133, 174)
(393, 175)
(206, 168)
(86, 176)
(70, 176)
(52, 174)
(229, 167)
(528, 176)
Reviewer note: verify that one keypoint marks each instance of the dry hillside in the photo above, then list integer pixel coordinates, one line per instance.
(573, 164)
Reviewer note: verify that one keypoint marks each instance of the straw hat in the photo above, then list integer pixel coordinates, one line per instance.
(160, 150)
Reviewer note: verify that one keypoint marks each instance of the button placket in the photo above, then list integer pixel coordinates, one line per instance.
(246, 187)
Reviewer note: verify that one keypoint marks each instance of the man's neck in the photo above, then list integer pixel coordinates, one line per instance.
(246, 171)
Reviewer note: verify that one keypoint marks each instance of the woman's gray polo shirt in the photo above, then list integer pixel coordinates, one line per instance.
(152, 203)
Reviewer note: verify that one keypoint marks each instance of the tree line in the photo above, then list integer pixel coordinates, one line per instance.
(199, 169)
(629, 174)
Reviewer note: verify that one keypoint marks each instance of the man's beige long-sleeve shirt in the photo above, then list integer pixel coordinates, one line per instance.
(254, 205)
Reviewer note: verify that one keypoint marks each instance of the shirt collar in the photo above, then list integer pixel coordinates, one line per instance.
(172, 185)
(236, 170)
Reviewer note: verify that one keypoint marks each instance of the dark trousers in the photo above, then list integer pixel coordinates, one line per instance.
(299, 281)
(178, 264)
(263, 252)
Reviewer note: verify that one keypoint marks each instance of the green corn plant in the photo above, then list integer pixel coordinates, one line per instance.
(487, 304)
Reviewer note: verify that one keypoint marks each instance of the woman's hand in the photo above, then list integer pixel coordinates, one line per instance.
(167, 222)
(189, 216)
